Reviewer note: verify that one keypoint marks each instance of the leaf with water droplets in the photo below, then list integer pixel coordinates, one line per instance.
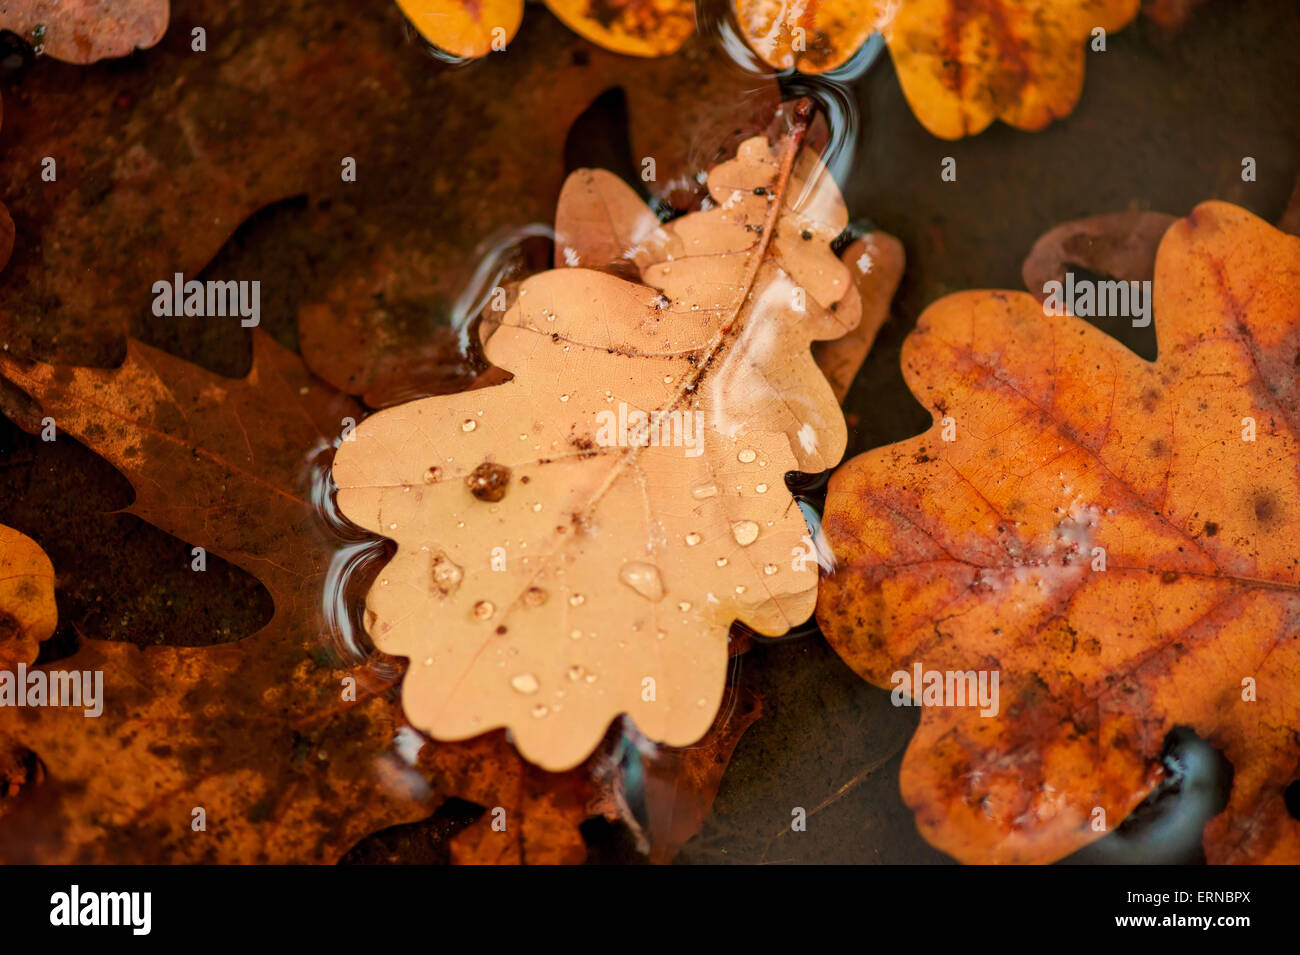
(629, 397)
(1112, 538)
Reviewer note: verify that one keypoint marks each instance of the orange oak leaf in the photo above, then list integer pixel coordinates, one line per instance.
(578, 572)
(83, 31)
(1112, 538)
(257, 733)
(27, 613)
(964, 63)
(473, 28)
(961, 63)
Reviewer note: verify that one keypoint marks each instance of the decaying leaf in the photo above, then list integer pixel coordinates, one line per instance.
(1119, 244)
(574, 572)
(1112, 536)
(27, 613)
(83, 31)
(244, 730)
(257, 733)
(389, 261)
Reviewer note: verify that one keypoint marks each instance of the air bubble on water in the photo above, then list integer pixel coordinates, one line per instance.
(484, 609)
(644, 579)
(745, 532)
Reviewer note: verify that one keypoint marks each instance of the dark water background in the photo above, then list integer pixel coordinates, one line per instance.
(1163, 123)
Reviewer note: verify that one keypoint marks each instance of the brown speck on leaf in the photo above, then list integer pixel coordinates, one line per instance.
(488, 481)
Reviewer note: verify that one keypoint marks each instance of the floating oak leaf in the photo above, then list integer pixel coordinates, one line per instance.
(1113, 536)
(574, 576)
(256, 732)
(961, 64)
(637, 27)
(83, 31)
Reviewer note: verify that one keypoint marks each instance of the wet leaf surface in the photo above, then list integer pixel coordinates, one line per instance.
(578, 568)
(260, 734)
(1107, 533)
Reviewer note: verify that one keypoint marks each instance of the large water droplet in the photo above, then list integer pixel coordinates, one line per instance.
(644, 579)
(745, 532)
(525, 683)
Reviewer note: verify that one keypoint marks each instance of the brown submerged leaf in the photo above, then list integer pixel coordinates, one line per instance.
(606, 578)
(27, 612)
(1119, 244)
(390, 254)
(1114, 537)
(83, 31)
(257, 732)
